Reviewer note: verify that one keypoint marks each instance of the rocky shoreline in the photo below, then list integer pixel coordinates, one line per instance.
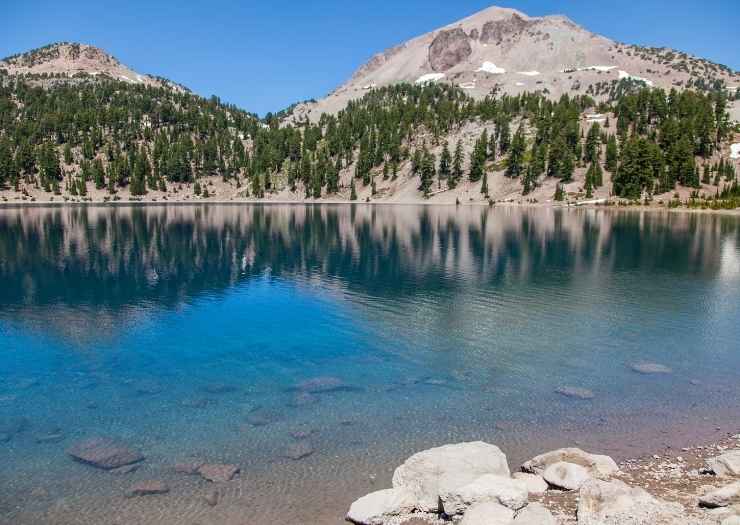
(471, 484)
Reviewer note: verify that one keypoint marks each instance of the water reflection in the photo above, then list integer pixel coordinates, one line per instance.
(117, 256)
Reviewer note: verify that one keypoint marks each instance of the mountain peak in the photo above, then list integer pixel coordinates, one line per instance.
(73, 60)
(509, 51)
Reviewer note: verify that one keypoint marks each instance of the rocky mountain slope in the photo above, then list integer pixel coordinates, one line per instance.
(69, 61)
(504, 49)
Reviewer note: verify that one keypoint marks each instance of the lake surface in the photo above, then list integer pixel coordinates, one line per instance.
(189, 332)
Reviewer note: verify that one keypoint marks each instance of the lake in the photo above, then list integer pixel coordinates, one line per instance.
(316, 347)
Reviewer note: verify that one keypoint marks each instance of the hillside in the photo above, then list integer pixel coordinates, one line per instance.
(506, 50)
(78, 126)
(67, 61)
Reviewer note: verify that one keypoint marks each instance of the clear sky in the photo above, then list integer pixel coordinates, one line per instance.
(265, 55)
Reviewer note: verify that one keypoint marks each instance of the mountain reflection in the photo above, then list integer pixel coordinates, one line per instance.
(115, 256)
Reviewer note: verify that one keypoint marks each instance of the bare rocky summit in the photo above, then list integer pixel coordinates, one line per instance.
(506, 50)
(65, 61)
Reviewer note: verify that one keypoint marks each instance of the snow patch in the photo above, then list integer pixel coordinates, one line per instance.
(735, 151)
(598, 68)
(125, 78)
(520, 84)
(528, 73)
(430, 77)
(468, 85)
(623, 74)
(371, 86)
(490, 67)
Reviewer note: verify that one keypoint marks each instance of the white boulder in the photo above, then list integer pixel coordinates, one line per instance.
(722, 497)
(439, 470)
(534, 514)
(536, 485)
(509, 492)
(601, 467)
(728, 464)
(490, 513)
(379, 507)
(567, 476)
(616, 503)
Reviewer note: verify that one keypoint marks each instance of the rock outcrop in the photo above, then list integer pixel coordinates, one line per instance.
(566, 476)
(534, 514)
(440, 470)
(448, 49)
(616, 503)
(490, 513)
(722, 497)
(506, 491)
(377, 508)
(727, 464)
(598, 466)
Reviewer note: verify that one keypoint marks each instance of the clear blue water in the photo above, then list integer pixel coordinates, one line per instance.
(168, 327)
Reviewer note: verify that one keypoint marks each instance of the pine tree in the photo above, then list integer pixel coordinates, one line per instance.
(612, 154)
(515, 166)
(457, 170)
(445, 161)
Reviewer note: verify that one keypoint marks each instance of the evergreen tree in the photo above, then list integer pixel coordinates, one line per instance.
(515, 166)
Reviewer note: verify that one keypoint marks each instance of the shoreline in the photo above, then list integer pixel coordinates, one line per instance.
(693, 485)
(263, 202)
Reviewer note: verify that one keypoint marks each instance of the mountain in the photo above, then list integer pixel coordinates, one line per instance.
(72, 61)
(506, 50)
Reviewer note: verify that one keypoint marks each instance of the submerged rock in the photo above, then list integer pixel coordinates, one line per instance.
(104, 453)
(14, 425)
(377, 508)
(490, 513)
(53, 435)
(324, 384)
(189, 469)
(260, 417)
(598, 466)
(439, 470)
(616, 503)
(219, 388)
(201, 402)
(299, 450)
(126, 469)
(509, 492)
(148, 387)
(218, 473)
(303, 399)
(650, 368)
(575, 392)
(534, 514)
(148, 488)
(728, 464)
(566, 476)
(722, 497)
(211, 498)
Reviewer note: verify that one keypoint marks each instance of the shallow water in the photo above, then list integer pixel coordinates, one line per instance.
(167, 327)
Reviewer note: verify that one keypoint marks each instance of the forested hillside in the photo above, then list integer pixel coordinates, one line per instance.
(102, 139)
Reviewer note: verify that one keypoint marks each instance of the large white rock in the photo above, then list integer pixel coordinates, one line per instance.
(534, 514)
(378, 507)
(601, 467)
(616, 503)
(728, 464)
(567, 476)
(438, 470)
(536, 485)
(722, 497)
(509, 492)
(490, 513)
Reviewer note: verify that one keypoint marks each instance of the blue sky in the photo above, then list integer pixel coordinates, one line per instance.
(263, 56)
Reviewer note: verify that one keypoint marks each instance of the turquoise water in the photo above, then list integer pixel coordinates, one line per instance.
(175, 328)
